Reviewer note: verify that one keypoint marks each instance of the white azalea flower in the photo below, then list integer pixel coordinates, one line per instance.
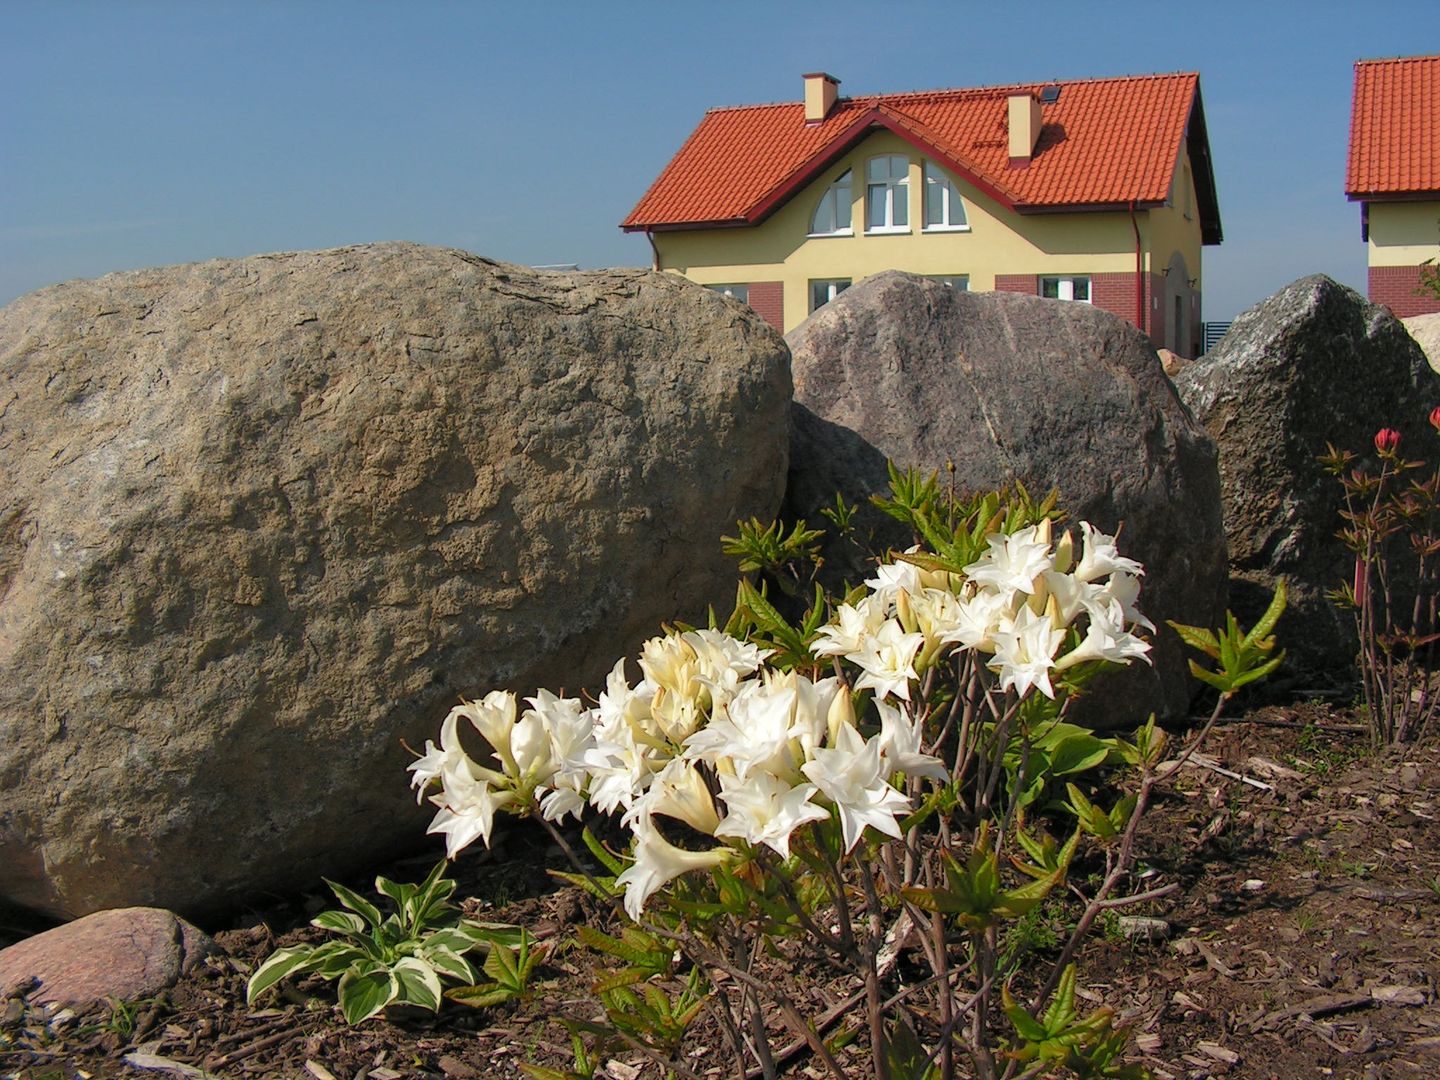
(1101, 557)
(1014, 560)
(763, 809)
(900, 739)
(493, 716)
(890, 579)
(850, 776)
(978, 618)
(680, 792)
(849, 629)
(887, 660)
(658, 861)
(1106, 639)
(769, 725)
(1024, 652)
(1123, 587)
(467, 809)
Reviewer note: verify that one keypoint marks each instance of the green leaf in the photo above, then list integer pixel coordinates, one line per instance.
(1077, 753)
(355, 902)
(339, 922)
(601, 853)
(295, 960)
(481, 997)
(450, 963)
(366, 994)
(419, 984)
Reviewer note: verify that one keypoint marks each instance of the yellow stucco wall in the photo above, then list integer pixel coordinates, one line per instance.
(1404, 233)
(998, 240)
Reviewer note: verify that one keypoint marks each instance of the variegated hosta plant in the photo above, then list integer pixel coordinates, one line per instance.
(381, 960)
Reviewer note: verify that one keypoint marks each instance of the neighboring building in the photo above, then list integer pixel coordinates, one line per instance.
(1099, 190)
(1394, 174)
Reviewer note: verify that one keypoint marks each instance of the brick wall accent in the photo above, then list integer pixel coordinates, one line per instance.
(1396, 287)
(768, 300)
(1021, 283)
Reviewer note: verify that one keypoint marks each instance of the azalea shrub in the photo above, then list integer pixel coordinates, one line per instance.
(884, 787)
(1391, 523)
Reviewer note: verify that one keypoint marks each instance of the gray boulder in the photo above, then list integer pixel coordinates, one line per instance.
(1316, 363)
(263, 522)
(1007, 388)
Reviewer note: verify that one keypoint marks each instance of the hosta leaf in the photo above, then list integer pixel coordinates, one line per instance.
(295, 960)
(335, 958)
(355, 902)
(419, 984)
(339, 922)
(448, 962)
(365, 995)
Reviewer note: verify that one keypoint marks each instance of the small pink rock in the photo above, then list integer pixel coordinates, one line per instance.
(126, 953)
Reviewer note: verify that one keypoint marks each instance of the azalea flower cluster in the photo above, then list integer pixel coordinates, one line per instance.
(745, 754)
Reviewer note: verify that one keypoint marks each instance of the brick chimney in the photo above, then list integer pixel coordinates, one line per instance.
(1024, 128)
(821, 90)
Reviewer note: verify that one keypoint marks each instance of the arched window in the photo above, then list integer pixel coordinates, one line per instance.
(832, 216)
(887, 189)
(943, 206)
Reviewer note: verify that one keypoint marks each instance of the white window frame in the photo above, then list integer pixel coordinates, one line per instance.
(735, 292)
(837, 204)
(894, 193)
(833, 287)
(952, 206)
(1065, 287)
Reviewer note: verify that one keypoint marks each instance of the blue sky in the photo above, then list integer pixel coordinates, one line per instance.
(138, 133)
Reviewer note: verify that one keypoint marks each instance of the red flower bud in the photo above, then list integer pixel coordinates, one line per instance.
(1435, 418)
(1386, 440)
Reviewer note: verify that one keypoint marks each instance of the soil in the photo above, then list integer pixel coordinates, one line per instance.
(1304, 942)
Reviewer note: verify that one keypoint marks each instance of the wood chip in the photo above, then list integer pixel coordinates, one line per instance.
(156, 1063)
(1398, 995)
(1218, 1052)
(320, 1072)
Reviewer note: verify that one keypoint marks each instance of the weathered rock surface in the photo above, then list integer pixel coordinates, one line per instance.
(1315, 363)
(1013, 388)
(262, 521)
(1425, 329)
(125, 953)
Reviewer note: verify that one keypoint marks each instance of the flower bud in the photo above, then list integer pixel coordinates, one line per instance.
(1435, 418)
(1386, 440)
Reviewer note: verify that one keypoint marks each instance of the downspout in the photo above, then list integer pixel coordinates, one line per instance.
(655, 251)
(1139, 275)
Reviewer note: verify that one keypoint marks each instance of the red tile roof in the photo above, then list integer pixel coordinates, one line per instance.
(1104, 143)
(1395, 128)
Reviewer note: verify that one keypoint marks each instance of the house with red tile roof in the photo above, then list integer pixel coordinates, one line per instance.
(1393, 172)
(1096, 190)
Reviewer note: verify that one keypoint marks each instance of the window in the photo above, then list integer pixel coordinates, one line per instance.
(822, 292)
(887, 187)
(1066, 288)
(739, 292)
(832, 216)
(958, 282)
(943, 208)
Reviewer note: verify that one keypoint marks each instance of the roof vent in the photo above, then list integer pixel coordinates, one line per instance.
(821, 90)
(1049, 95)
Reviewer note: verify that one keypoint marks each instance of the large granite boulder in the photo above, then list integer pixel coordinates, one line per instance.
(1314, 364)
(262, 522)
(1009, 387)
(1425, 329)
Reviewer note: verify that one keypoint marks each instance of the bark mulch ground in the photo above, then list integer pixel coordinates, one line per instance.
(1305, 942)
